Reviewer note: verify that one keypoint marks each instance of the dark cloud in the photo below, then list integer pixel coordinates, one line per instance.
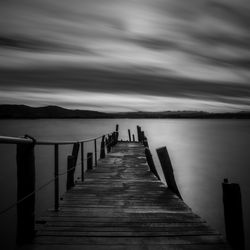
(155, 43)
(39, 45)
(237, 14)
(118, 82)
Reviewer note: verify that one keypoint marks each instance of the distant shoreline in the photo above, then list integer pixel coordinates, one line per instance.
(11, 112)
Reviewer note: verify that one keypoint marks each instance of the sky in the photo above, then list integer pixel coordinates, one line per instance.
(133, 55)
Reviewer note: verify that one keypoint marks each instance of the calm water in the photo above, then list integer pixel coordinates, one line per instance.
(203, 152)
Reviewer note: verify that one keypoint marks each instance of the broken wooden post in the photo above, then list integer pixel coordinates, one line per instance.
(89, 161)
(233, 215)
(70, 171)
(75, 151)
(129, 135)
(139, 133)
(167, 170)
(102, 153)
(25, 186)
(151, 162)
(133, 138)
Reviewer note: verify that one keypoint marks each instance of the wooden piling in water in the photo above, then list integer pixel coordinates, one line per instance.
(167, 169)
(71, 164)
(233, 215)
(95, 149)
(116, 133)
(89, 161)
(133, 138)
(108, 144)
(151, 163)
(129, 135)
(25, 186)
(70, 173)
(56, 177)
(82, 161)
(139, 133)
(102, 153)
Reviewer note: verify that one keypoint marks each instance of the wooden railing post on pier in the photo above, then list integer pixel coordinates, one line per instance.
(129, 135)
(70, 174)
(95, 148)
(139, 133)
(113, 139)
(82, 161)
(145, 142)
(108, 143)
(90, 161)
(167, 170)
(142, 136)
(25, 186)
(233, 215)
(151, 163)
(117, 133)
(133, 138)
(56, 182)
(102, 153)
(72, 159)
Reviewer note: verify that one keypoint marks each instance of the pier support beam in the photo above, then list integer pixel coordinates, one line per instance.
(167, 169)
(233, 215)
(89, 161)
(25, 186)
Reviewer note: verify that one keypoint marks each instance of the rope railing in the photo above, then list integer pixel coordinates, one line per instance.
(53, 179)
(41, 187)
(25, 157)
(22, 140)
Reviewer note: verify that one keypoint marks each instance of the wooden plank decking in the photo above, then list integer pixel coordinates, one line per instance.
(121, 205)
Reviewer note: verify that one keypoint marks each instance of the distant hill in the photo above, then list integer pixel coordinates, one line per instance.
(23, 111)
(26, 112)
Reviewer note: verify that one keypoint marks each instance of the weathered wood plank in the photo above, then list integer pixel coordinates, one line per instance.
(122, 205)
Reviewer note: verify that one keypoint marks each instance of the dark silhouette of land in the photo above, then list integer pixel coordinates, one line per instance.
(26, 112)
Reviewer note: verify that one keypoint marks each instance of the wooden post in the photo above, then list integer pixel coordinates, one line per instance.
(107, 141)
(151, 162)
(142, 136)
(145, 142)
(95, 153)
(75, 151)
(129, 135)
(90, 161)
(25, 185)
(56, 183)
(167, 170)
(233, 215)
(139, 133)
(117, 133)
(133, 138)
(113, 139)
(71, 171)
(82, 161)
(102, 153)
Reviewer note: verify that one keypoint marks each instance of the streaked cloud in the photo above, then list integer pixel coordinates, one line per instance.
(196, 49)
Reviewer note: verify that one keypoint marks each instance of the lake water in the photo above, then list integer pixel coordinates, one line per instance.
(203, 153)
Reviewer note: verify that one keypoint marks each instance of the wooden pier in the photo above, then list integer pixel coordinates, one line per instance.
(122, 205)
